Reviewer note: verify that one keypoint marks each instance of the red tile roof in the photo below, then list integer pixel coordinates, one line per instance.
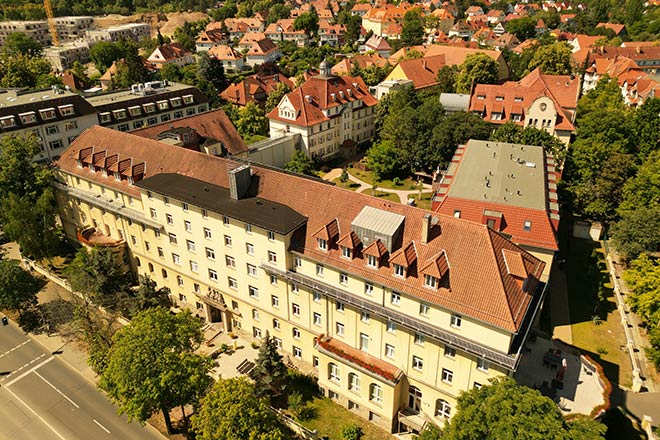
(423, 71)
(254, 88)
(478, 284)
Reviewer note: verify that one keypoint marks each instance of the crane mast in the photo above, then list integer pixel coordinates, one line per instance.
(51, 22)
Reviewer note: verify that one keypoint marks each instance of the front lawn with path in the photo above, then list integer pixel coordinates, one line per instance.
(368, 177)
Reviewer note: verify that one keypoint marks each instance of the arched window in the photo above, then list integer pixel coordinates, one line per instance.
(375, 393)
(353, 382)
(151, 267)
(137, 261)
(442, 408)
(164, 273)
(333, 372)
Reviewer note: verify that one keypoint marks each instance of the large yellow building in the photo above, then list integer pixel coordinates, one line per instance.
(396, 309)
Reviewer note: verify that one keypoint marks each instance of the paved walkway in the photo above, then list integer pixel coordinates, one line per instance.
(403, 195)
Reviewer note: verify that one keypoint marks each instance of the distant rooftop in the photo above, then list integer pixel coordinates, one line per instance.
(127, 95)
(11, 98)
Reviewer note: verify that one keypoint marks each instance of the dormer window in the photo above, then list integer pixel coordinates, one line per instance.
(399, 270)
(135, 110)
(47, 114)
(7, 122)
(163, 105)
(104, 117)
(481, 96)
(188, 99)
(496, 116)
(28, 118)
(345, 252)
(430, 281)
(66, 110)
(149, 108)
(176, 102)
(499, 98)
(119, 114)
(372, 261)
(527, 226)
(323, 244)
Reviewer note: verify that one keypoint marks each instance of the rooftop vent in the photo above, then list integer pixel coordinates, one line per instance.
(308, 98)
(373, 224)
(239, 181)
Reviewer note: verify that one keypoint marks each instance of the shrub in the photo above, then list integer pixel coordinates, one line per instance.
(344, 176)
(351, 432)
(396, 181)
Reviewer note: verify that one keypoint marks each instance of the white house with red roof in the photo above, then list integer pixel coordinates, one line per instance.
(172, 53)
(511, 188)
(262, 51)
(331, 113)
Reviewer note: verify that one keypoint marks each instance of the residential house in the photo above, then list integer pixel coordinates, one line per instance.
(210, 38)
(128, 31)
(360, 9)
(618, 29)
(365, 61)
(446, 19)
(238, 27)
(283, 30)
(231, 60)
(254, 88)
(249, 39)
(170, 53)
(496, 16)
(331, 34)
(379, 45)
(646, 57)
(423, 72)
(262, 51)
(377, 19)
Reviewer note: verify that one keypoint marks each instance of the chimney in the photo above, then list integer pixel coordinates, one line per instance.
(276, 78)
(308, 98)
(426, 228)
(239, 181)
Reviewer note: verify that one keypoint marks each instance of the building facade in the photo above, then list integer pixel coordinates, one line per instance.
(396, 311)
(62, 57)
(37, 30)
(129, 31)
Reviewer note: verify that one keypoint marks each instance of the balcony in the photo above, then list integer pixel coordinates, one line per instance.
(91, 237)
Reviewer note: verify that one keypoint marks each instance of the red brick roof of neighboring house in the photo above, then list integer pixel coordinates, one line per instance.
(362, 61)
(284, 25)
(211, 36)
(639, 53)
(454, 55)
(423, 71)
(213, 125)
(387, 13)
(245, 91)
(640, 43)
(443, 14)
(170, 52)
(377, 43)
(262, 47)
(524, 45)
(319, 90)
(361, 7)
(237, 25)
(394, 29)
(478, 284)
(614, 67)
(223, 52)
(69, 79)
(514, 97)
(504, 203)
(250, 38)
(617, 28)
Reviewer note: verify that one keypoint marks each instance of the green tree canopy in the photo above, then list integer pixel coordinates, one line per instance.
(18, 288)
(447, 79)
(152, 366)
(104, 53)
(506, 410)
(97, 274)
(276, 96)
(413, 28)
(523, 28)
(20, 43)
(232, 411)
(307, 22)
(644, 188)
(252, 120)
(385, 160)
(513, 133)
(132, 70)
(636, 232)
(477, 68)
(552, 59)
(300, 164)
(269, 372)
(187, 33)
(25, 71)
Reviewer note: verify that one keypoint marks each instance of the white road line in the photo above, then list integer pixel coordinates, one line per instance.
(35, 413)
(11, 382)
(55, 388)
(102, 427)
(15, 348)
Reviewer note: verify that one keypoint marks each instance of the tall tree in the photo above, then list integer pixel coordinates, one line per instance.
(18, 288)
(504, 410)
(152, 365)
(104, 53)
(212, 70)
(637, 232)
(187, 34)
(412, 33)
(446, 79)
(523, 28)
(300, 164)
(276, 96)
(132, 70)
(252, 121)
(307, 22)
(97, 274)
(19, 43)
(269, 372)
(552, 59)
(477, 68)
(231, 410)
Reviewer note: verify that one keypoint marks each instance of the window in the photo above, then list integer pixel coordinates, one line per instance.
(430, 281)
(345, 252)
(315, 361)
(450, 352)
(364, 316)
(389, 351)
(272, 257)
(249, 248)
(424, 309)
(52, 129)
(456, 320)
(343, 279)
(175, 258)
(163, 273)
(295, 309)
(275, 301)
(375, 393)
(317, 319)
(278, 343)
(482, 364)
(419, 339)
(447, 375)
(271, 235)
(256, 332)
(417, 363)
(252, 270)
(391, 327)
(442, 408)
(339, 306)
(205, 213)
(273, 280)
(372, 261)
(153, 213)
(166, 200)
(364, 342)
(354, 382)
(161, 253)
(527, 226)
(213, 275)
(323, 244)
(255, 314)
(196, 287)
(230, 261)
(477, 385)
(396, 298)
(296, 333)
(179, 280)
(316, 296)
(297, 352)
(190, 245)
(172, 238)
(319, 270)
(187, 225)
(276, 324)
(182, 297)
(297, 261)
(294, 288)
(339, 329)
(368, 289)
(210, 254)
(227, 240)
(254, 292)
(398, 270)
(248, 228)
(225, 220)
(184, 205)
(194, 267)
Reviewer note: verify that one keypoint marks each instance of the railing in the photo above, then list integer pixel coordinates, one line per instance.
(503, 359)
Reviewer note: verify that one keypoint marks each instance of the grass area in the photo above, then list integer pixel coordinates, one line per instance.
(384, 195)
(346, 185)
(425, 203)
(595, 325)
(368, 176)
(331, 418)
(252, 139)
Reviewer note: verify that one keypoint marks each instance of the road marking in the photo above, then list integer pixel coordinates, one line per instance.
(102, 427)
(35, 413)
(55, 388)
(15, 348)
(11, 382)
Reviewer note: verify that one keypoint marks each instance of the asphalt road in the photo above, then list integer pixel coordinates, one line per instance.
(42, 398)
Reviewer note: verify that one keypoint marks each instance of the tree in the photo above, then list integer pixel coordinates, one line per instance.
(19, 43)
(300, 164)
(211, 69)
(104, 53)
(523, 28)
(170, 72)
(430, 432)
(412, 33)
(446, 79)
(231, 410)
(277, 12)
(80, 71)
(132, 70)
(187, 34)
(645, 125)
(269, 373)
(307, 22)
(477, 68)
(644, 188)
(456, 129)
(18, 288)
(97, 274)
(504, 410)
(276, 96)
(252, 121)
(553, 59)
(148, 295)
(152, 366)
(351, 432)
(24, 71)
(353, 25)
(636, 232)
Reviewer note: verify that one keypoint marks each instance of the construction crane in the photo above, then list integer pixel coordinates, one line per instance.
(51, 22)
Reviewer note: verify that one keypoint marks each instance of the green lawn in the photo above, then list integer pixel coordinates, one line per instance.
(252, 139)
(330, 418)
(368, 177)
(586, 271)
(425, 203)
(383, 195)
(346, 185)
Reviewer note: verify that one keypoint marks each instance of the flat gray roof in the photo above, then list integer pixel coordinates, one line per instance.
(127, 95)
(378, 220)
(498, 172)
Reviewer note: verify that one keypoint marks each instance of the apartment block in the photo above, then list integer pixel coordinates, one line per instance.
(73, 28)
(395, 309)
(131, 31)
(37, 30)
(62, 57)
